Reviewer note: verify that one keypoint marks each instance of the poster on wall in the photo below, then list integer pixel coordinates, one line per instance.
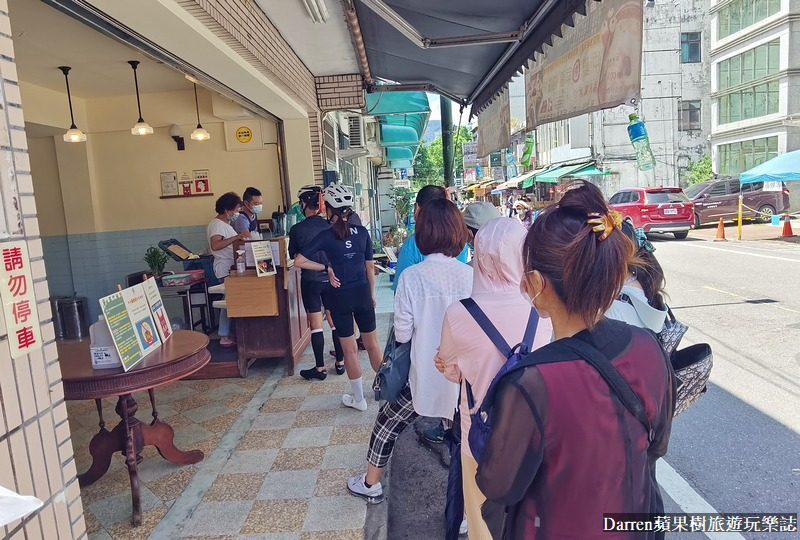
(494, 126)
(596, 65)
(200, 179)
(157, 308)
(19, 300)
(169, 184)
(470, 152)
(186, 184)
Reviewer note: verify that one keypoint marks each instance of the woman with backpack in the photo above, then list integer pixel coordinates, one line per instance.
(351, 272)
(468, 356)
(578, 425)
(423, 295)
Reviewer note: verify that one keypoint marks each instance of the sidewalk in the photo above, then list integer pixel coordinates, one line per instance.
(751, 232)
(279, 451)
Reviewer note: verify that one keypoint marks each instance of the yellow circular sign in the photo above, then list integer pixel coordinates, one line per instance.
(244, 134)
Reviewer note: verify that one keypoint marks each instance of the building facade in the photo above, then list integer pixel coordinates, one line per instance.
(675, 106)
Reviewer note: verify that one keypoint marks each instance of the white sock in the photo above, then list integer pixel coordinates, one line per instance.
(358, 389)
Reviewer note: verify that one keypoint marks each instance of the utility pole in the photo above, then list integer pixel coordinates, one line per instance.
(448, 149)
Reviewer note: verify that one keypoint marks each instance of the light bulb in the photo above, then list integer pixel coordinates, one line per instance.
(141, 128)
(142, 131)
(73, 134)
(200, 134)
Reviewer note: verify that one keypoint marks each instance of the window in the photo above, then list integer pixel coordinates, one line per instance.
(734, 186)
(616, 199)
(738, 157)
(690, 47)
(634, 197)
(718, 189)
(740, 14)
(750, 66)
(689, 115)
(666, 197)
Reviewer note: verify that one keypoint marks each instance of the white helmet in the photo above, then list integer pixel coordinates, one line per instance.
(337, 196)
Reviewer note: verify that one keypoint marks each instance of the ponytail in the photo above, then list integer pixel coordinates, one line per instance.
(340, 227)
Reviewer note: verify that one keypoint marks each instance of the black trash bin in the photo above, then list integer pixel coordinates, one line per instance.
(69, 317)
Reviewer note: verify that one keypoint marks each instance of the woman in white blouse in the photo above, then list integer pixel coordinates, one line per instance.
(424, 292)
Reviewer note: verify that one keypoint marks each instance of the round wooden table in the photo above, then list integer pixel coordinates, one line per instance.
(182, 355)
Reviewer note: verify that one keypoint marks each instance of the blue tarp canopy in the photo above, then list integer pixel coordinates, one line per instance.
(783, 168)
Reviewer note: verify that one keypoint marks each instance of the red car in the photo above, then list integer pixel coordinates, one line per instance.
(656, 209)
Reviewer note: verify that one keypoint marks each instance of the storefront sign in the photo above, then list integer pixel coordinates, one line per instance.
(470, 176)
(403, 175)
(470, 152)
(244, 134)
(169, 184)
(494, 126)
(596, 65)
(19, 300)
(240, 137)
(498, 174)
(496, 160)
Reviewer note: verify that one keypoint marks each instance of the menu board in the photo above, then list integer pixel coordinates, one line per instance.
(263, 257)
(130, 321)
(157, 308)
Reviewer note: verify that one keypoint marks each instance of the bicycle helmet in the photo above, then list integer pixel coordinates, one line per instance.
(309, 194)
(337, 196)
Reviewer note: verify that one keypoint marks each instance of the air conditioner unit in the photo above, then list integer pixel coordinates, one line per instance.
(356, 125)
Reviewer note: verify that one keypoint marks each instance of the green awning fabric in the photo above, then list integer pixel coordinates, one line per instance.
(553, 175)
(390, 103)
(527, 178)
(401, 164)
(399, 152)
(591, 170)
(399, 135)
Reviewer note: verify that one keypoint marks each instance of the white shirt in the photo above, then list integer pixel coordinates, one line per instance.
(223, 259)
(637, 313)
(424, 292)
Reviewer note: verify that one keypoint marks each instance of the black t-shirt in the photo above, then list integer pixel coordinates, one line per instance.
(302, 235)
(347, 257)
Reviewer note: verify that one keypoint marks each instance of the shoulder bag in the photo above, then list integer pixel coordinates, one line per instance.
(393, 373)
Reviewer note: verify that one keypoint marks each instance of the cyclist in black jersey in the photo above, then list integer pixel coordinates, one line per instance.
(351, 271)
(315, 287)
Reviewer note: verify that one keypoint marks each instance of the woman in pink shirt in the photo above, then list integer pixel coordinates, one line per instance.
(466, 352)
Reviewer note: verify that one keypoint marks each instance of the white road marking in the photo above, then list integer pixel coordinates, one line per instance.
(748, 299)
(744, 253)
(687, 498)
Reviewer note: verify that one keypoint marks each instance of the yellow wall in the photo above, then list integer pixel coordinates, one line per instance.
(47, 186)
(51, 108)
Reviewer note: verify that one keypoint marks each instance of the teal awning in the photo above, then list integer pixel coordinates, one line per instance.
(390, 103)
(399, 152)
(401, 164)
(392, 135)
(591, 170)
(554, 174)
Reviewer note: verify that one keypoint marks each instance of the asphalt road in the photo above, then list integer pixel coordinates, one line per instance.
(738, 448)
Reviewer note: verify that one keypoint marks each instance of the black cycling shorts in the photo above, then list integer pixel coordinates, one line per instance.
(315, 295)
(346, 304)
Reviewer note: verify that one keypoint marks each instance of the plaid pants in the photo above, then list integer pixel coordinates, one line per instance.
(391, 421)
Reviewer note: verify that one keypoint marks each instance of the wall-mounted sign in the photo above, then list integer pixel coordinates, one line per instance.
(200, 178)
(496, 160)
(19, 300)
(244, 134)
(494, 126)
(596, 65)
(169, 184)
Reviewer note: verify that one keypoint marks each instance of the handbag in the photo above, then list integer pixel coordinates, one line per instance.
(671, 333)
(692, 367)
(392, 376)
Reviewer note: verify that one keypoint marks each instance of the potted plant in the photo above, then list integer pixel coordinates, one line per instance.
(156, 260)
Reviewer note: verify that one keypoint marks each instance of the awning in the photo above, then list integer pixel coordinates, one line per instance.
(504, 33)
(783, 168)
(527, 178)
(554, 174)
(591, 170)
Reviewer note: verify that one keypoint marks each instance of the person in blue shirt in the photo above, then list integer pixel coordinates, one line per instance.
(409, 252)
(351, 271)
(251, 207)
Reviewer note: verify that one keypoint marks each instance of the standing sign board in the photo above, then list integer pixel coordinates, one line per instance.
(596, 65)
(130, 321)
(19, 300)
(157, 308)
(494, 126)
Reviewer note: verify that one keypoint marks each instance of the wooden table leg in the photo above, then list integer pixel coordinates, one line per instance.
(162, 436)
(127, 408)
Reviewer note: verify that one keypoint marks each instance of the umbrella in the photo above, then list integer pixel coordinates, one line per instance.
(454, 509)
(783, 168)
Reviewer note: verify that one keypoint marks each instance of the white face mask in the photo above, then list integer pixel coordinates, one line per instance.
(532, 301)
(235, 216)
(257, 209)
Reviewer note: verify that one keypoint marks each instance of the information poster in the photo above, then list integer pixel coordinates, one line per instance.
(157, 309)
(122, 331)
(263, 257)
(141, 318)
(19, 301)
(169, 184)
(200, 178)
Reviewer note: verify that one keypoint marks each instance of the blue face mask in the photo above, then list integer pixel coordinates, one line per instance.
(234, 217)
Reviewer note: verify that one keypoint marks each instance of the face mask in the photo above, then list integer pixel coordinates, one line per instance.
(235, 216)
(542, 313)
(257, 209)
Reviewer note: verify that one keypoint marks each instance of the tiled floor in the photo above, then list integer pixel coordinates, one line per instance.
(284, 478)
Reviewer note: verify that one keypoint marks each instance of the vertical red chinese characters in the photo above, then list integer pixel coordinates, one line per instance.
(19, 300)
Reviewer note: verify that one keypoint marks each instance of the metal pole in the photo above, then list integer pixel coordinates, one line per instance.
(739, 237)
(448, 149)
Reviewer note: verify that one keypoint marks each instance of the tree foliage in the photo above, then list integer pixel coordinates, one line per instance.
(699, 171)
(429, 163)
(402, 200)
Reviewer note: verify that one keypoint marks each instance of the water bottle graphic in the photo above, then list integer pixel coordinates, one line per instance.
(641, 143)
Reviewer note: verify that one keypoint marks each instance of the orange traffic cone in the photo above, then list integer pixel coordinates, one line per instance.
(720, 232)
(787, 226)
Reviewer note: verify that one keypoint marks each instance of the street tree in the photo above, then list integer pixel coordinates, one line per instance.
(699, 171)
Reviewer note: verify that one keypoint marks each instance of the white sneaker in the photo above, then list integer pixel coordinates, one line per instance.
(358, 488)
(463, 529)
(348, 401)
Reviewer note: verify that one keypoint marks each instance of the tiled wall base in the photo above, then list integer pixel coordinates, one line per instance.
(92, 265)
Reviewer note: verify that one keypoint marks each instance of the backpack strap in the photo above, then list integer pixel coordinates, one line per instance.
(616, 382)
(487, 326)
(530, 329)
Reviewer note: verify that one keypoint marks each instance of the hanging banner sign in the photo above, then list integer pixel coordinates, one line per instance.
(470, 152)
(494, 126)
(596, 65)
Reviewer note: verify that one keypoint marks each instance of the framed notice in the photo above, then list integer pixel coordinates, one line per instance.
(200, 178)
(263, 257)
(157, 309)
(169, 184)
(19, 300)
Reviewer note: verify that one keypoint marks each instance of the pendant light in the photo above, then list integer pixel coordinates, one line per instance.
(141, 127)
(198, 134)
(73, 134)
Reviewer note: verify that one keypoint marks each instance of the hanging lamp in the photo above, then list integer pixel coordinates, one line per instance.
(73, 134)
(199, 134)
(141, 127)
